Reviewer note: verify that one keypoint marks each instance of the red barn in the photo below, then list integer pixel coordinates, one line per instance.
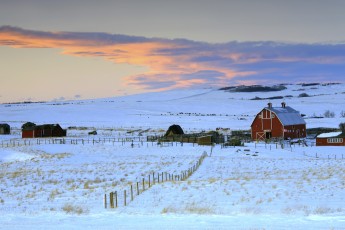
(47, 130)
(278, 122)
(331, 139)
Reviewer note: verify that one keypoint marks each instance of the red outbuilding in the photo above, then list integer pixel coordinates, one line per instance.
(331, 139)
(278, 122)
(47, 130)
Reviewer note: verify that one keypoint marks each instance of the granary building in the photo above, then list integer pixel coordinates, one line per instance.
(278, 122)
(331, 139)
(46, 130)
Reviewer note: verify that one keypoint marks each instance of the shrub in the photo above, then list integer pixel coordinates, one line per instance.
(303, 95)
(234, 142)
(70, 209)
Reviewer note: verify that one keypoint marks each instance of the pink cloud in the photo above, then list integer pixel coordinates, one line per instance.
(183, 63)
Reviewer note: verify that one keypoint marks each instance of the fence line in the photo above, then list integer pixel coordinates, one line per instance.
(160, 177)
(134, 141)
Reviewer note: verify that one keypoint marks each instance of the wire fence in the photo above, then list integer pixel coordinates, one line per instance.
(122, 198)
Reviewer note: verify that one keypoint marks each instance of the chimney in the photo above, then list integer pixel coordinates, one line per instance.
(283, 104)
(269, 105)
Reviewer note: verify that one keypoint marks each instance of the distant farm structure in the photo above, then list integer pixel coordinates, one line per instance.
(5, 129)
(31, 130)
(278, 122)
(331, 139)
(176, 134)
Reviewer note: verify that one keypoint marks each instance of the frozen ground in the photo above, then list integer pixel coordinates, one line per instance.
(258, 186)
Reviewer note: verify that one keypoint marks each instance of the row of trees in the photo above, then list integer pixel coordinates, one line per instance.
(330, 114)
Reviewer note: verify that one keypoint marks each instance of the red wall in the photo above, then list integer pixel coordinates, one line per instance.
(56, 132)
(28, 134)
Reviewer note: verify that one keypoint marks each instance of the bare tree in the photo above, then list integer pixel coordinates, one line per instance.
(342, 127)
(329, 114)
(342, 113)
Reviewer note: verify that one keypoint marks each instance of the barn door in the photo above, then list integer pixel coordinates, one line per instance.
(260, 136)
(268, 135)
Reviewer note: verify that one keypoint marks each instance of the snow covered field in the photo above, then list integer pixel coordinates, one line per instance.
(258, 186)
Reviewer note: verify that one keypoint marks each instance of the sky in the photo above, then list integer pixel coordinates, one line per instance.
(82, 49)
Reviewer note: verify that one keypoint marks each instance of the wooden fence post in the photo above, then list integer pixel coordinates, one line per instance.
(105, 201)
(149, 181)
(131, 192)
(116, 199)
(111, 198)
(143, 184)
(124, 196)
(137, 188)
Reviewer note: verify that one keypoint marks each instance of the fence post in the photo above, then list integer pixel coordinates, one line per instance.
(105, 201)
(131, 192)
(137, 188)
(124, 196)
(143, 184)
(111, 197)
(149, 181)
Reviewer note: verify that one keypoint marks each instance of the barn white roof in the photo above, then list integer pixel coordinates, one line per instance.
(287, 115)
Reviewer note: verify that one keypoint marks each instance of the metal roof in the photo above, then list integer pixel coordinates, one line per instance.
(331, 134)
(287, 115)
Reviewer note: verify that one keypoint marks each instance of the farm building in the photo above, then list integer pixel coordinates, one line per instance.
(278, 122)
(174, 130)
(331, 139)
(5, 129)
(30, 130)
(175, 133)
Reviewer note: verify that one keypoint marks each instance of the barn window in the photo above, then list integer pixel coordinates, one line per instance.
(335, 140)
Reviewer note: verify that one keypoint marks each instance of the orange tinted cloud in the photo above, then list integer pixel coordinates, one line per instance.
(184, 63)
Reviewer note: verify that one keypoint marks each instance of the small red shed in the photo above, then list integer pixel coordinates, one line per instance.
(278, 122)
(47, 130)
(331, 139)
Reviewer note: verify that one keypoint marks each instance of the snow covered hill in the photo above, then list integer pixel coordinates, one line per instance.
(61, 185)
(192, 109)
